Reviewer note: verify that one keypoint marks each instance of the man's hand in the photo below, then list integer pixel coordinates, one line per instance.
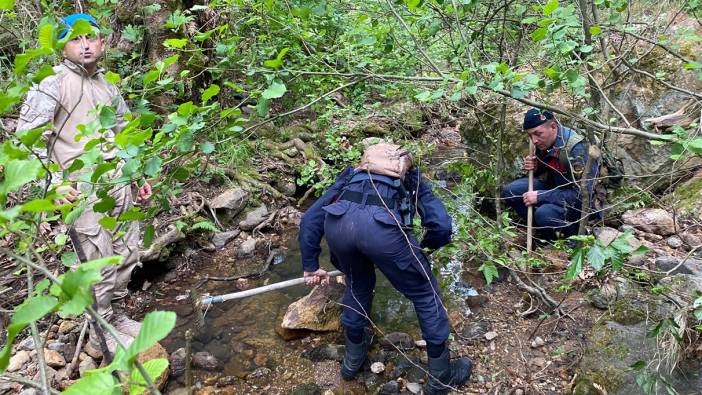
(68, 194)
(316, 277)
(530, 163)
(144, 193)
(530, 198)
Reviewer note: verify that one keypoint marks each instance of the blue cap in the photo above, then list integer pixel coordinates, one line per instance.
(535, 117)
(73, 18)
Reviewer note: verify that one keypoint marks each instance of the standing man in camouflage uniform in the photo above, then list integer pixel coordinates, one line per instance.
(67, 100)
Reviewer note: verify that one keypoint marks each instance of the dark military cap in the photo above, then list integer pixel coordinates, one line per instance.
(535, 117)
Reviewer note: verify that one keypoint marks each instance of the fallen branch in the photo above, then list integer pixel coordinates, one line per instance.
(79, 347)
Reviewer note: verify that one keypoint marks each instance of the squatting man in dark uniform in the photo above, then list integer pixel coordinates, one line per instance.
(561, 157)
(366, 220)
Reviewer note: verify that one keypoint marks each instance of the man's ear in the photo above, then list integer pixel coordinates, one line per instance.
(102, 43)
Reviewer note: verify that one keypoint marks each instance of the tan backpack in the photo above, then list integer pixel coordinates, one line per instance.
(386, 159)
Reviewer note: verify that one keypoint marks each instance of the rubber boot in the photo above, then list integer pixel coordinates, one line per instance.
(354, 357)
(445, 375)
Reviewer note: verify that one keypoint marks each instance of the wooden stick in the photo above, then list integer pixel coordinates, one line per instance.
(74, 361)
(251, 292)
(530, 209)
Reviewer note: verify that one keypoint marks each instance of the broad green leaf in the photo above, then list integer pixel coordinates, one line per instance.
(7, 4)
(152, 167)
(101, 169)
(156, 326)
(210, 92)
(149, 234)
(43, 72)
(576, 265)
(175, 42)
(550, 7)
(29, 311)
(412, 4)
(275, 90)
(595, 30)
(69, 258)
(278, 61)
(207, 147)
(150, 77)
(153, 367)
(108, 222)
(539, 34)
(180, 174)
(17, 173)
(46, 36)
(596, 258)
(73, 215)
(572, 75)
(38, 206)
(112, 78)
(108, 118)
(102, 383)
(187, 108)
(105, 204)
(134, 214)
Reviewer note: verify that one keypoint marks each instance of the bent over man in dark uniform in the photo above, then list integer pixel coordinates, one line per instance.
(559, 164)
(366, 226)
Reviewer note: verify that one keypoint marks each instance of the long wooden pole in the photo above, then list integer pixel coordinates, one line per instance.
(530, 209)
(267, 288)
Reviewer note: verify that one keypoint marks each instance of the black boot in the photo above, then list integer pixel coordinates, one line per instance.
(354, 357)
(444, 374)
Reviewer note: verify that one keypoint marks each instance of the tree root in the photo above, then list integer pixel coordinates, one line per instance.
(536, 291)
(159, 244)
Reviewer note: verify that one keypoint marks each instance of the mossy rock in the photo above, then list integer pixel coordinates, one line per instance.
(689, 195)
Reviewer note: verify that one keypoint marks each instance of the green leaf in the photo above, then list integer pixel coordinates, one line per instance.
(489, 271)
(108, 119)
(156, 326)
(576, 264)
(23, 59)
(278, 61)
(149, 234)
(207, 147)
(263, 106)
(69, 258)
(550, 7)
(102, 383)
(112, 78)
(101, 169)
(29, 311)
(596, 258)
(17, 173)
(153, 166)
(180, 174)
(151, 76)
(108, 222)
(572, 75)
(7, 4)
(412, 4)
(204, 225)
(73, 215)
(539, 34)
(105, 204)
(175, 42)
(210, 92)
(187, 108)
(38, 206)
(46, 36)
(275, 90)
(154, 368)
(595, 30)
(134, 214)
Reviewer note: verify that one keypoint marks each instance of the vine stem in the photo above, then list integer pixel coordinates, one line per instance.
(38, 343)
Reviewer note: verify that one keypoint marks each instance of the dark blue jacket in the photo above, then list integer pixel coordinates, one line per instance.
(434, 217)
(563, 186)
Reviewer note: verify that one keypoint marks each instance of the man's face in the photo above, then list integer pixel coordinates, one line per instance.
(544, 135)
(84, 50)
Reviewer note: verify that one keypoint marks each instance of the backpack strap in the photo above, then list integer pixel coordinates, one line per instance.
(564, 154)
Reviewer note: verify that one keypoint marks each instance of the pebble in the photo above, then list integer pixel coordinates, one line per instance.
(260, 372)
(490, 335)
(414, 388)
(538, 342)
(389, 388)
(86, 364)
(377, 367)
(67, 326)
(54, 359)
(674, 242)
(26, 344)
(205, 360)
(18, 361)
(421, 343)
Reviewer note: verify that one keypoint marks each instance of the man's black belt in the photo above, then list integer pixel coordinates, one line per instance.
(371, 199)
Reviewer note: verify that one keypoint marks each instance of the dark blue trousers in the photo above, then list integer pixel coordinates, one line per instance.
(548, 217)
(362, 237)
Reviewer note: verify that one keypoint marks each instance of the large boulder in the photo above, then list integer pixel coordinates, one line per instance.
(651, 220)
(688, 195)
(317, 311)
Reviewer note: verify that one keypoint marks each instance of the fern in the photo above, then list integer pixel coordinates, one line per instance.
(204, 225)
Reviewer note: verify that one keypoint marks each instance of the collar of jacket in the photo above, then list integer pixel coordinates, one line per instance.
(562, 135)
(80, 70)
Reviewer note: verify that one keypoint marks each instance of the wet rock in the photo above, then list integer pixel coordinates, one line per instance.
(254, 218)
(317, 311)
(206, 361)
(220, 239)
(599, 301)
(398, 340)
(247, 248)
(258, 373)
(413, 388)
(67, 326)
(18, 361)
(651, 220)
(291, 334)
(232, 200)
(334, 352)
(674, 242)
(390, 388)
(86, 364)
(377, 367)
(306, 389)
(683, 265)
(286, 187)
(54, 358)
(475, 330)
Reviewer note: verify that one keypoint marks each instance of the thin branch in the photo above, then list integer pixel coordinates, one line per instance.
(39, 344)
(25, 381)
